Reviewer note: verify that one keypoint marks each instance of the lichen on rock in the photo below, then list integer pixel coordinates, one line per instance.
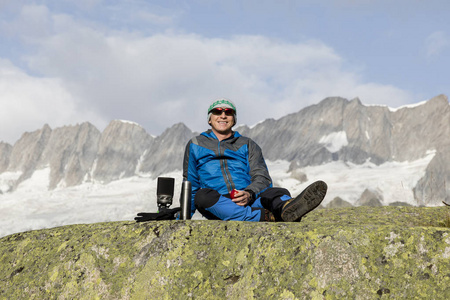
(361, 252)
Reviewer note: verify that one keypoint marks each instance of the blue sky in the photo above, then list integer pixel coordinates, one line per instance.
(158, 63)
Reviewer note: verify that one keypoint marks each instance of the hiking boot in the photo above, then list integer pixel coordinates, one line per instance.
(310, 198)
(268, 216)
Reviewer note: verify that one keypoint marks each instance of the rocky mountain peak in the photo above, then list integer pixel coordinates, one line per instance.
(166, 154)
(70, 152)
(120, 147)
(27, 151)
(335, 129)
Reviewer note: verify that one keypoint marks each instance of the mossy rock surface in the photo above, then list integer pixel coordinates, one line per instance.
(348, 253)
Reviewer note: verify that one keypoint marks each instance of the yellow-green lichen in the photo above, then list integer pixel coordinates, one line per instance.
(356, 253)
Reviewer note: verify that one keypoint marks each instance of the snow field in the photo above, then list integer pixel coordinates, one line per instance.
(32, 206)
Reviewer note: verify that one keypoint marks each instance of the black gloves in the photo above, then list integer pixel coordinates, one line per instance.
(163, 214)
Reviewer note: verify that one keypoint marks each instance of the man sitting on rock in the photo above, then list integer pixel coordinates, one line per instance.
(230, 179)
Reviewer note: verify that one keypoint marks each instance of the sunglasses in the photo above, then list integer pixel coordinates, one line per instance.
(219, 111)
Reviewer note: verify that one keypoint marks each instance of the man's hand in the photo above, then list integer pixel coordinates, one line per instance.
(241, 198)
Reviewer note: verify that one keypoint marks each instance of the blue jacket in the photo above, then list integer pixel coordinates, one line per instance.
(233, 163)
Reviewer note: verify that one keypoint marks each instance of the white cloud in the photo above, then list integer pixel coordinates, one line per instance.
(437, 43)
(27, 103)
(160, 79)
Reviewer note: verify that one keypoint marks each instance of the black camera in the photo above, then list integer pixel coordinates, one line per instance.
(164, 199)
(164, 192)
(164, 196)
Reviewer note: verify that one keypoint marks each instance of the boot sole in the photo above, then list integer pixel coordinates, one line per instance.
(309, 199)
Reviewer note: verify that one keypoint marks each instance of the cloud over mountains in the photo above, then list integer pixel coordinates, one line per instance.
(80, 69)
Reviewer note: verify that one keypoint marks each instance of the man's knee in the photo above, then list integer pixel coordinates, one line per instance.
(275, 192)
(205, 198)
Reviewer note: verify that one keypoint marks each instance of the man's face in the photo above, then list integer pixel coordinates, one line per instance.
(223, 122)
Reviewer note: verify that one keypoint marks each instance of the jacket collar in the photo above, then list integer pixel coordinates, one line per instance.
(209, 133)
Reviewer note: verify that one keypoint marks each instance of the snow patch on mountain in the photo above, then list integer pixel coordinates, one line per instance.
(129, 122)
(394, 109)
(394, 180)
(7, 180)
(408, 106)
(38, 183)
(334, 141)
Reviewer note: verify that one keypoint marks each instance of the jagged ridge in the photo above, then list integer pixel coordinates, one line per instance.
(334, 129)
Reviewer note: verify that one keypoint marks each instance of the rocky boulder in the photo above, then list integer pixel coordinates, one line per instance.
(370, 198)
(351, 253)
(338, 203)
(296, 172)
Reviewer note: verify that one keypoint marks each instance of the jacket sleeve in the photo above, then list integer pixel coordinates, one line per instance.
(190, 172)
(258, 170)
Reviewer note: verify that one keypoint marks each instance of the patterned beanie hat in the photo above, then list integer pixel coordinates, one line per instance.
(222, 102)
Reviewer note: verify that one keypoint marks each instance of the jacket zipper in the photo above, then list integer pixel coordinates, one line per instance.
(222, 167)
